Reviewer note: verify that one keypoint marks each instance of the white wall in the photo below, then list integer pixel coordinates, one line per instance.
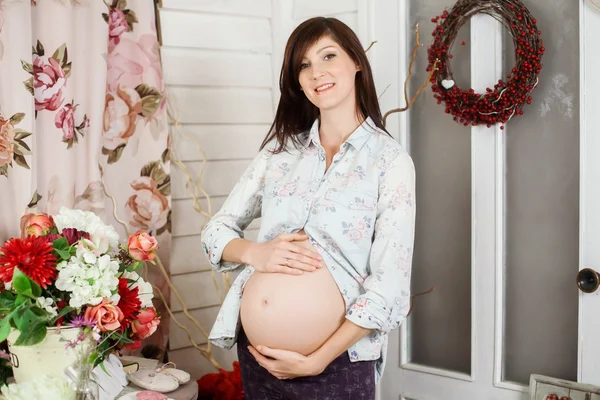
(222, 61)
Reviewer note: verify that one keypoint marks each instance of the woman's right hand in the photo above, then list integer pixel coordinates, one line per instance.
(284, 254)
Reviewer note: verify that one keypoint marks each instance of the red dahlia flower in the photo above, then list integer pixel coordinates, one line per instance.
(33, 256)
(129, 303)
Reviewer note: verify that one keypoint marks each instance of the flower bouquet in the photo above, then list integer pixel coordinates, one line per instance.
(68, 285)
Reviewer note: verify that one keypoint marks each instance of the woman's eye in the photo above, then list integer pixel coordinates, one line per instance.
(329, 56)
(302, 66)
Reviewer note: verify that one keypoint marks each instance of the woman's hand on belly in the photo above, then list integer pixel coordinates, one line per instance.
(285, 254)
(285, 364)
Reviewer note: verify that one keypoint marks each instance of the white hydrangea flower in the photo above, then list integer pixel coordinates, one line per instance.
(145, 293)
(8, 285)
(104, 237)
(69, 218)
(47, 304)
(88, 277)
(44, 387)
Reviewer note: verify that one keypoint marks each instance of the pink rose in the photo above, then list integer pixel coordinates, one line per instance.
(355, 235)
(142, 247)
(36, 224)
(120, 116)
(117, 25)
(48, 84)
(148, 207)
(133, 63)
(7, 138)
(289, 188)
(146, 324)
(108, 317)
(65, 119)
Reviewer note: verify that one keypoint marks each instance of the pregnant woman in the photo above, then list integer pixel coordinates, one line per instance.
(329, 277)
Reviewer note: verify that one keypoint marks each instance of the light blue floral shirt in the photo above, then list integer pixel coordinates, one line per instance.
(359, 215)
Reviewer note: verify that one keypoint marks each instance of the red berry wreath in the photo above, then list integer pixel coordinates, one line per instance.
(505, 99)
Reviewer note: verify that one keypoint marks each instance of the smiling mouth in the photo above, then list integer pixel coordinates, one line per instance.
(324, 88)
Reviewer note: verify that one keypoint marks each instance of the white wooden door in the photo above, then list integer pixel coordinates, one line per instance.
(491, 167)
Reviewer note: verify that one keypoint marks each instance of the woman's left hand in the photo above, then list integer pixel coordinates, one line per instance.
(286, 364)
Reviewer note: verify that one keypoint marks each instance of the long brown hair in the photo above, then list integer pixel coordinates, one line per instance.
(295, 113)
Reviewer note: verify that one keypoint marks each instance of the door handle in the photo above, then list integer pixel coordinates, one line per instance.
(588, 280)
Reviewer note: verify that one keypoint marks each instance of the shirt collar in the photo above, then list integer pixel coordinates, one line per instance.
(357, 138)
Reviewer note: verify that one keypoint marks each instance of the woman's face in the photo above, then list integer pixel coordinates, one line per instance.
(327, 75)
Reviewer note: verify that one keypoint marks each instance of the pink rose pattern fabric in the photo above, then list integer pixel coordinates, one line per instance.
(134, 159)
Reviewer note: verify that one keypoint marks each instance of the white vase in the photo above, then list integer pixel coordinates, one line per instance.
(49, 357)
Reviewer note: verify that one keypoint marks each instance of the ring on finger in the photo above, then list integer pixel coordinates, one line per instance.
(287, 262)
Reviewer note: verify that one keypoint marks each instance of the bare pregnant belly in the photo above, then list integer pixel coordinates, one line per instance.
(292, 312)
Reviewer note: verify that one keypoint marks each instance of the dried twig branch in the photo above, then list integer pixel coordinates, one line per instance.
(410, 72)
(371, 45)
(417, 295)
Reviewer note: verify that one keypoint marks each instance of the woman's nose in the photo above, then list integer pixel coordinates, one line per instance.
(318, 72)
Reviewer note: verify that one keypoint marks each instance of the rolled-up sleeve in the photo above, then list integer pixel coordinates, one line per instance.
(242, 206)
(385, 302)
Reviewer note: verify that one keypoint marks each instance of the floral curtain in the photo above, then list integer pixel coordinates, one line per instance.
(81, 104)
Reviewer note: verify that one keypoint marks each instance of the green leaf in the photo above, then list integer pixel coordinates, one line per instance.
(67, 70)
(4, 170)
(21, 134)
(29, 85)
(115, 155)
(121, 4)
(81, 126)
(40, 312)
(23, 147)
(165, 186)
(93, 358)
(148, 168)
(39, 49)
(36, 289)
(166, 227)
(60, 55)
(25, 318)
(34, 200)
(7, 300)
(146, 90)
(4, 328)
(18, 117)
(28, 67)
(137, 265)
(62, 313)
(60, 244)
(131, 19)
(6, 296)
(159, 175)
(150, 105)
(151, 98)
(104, 368)
(66, 60)
(20, 160)
(21, 299)
(32, 334)
(166, 156)
(64, 254)
(21, 283)
(105, 16)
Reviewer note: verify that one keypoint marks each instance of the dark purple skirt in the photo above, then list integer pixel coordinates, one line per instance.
(341, 380)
